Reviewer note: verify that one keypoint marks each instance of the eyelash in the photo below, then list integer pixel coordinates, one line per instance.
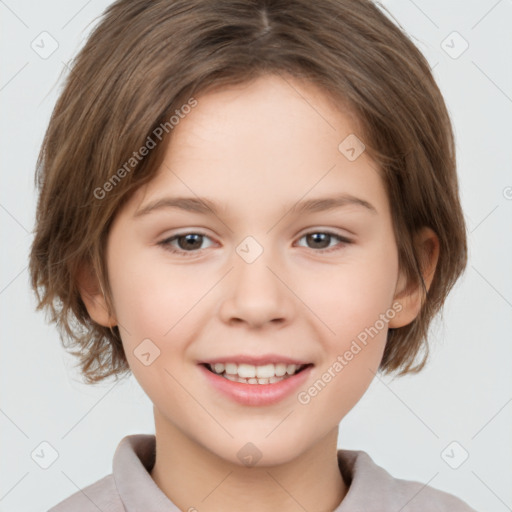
(166, 243)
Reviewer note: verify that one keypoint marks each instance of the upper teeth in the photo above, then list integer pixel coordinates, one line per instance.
(248, 371)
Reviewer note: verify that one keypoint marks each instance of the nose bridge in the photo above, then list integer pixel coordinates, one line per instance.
(255, 277)
(255, 293)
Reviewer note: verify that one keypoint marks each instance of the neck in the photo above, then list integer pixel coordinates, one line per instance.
(196, 479)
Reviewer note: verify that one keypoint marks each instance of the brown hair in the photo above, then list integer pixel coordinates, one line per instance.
(147, 58)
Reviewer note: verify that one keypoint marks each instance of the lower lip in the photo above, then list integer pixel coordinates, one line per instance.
(257, 394)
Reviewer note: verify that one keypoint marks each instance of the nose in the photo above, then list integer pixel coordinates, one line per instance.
(256, 294)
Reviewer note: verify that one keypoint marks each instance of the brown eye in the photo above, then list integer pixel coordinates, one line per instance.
(190, 242)
(184, 243)
(321, 241)
(318, 240)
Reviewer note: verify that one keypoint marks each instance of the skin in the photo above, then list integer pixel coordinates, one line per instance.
(256, 149)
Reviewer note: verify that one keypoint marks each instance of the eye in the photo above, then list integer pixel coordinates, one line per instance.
(320, 240)
(188, 243)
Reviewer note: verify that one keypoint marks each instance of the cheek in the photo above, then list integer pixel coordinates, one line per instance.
(355, 302)
(350, 297)
(150, 299)
(159, 303)
(151, 306)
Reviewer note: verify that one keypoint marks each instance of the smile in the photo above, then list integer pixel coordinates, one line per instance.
(260, 384)
(251, 374)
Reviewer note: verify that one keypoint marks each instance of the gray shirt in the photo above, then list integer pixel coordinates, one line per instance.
(130, 488)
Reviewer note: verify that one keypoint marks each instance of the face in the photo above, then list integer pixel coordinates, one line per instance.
(258, 280)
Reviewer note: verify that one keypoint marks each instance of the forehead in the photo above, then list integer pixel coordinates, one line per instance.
(268, 142)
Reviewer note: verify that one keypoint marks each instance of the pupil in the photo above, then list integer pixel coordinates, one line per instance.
(191, 243)
(317, 237)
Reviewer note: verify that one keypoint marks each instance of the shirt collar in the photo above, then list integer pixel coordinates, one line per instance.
(134, 458)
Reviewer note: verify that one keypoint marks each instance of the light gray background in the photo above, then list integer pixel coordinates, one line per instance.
(464, 395)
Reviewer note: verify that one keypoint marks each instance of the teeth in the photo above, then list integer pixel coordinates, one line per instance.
(290, 369)
(271, 380)
(280, 369)
(218, 368)
(251, 374)
(231, 368)
(246, 371)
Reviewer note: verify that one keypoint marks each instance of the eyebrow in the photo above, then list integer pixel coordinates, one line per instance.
(206, 206)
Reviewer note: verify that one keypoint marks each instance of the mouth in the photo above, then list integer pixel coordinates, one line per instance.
(270, 373)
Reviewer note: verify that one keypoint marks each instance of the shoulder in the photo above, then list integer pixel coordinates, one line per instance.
(372, 488)
(420, 497)
(101, 495)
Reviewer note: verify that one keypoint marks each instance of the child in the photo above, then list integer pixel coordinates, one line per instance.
(258, 128)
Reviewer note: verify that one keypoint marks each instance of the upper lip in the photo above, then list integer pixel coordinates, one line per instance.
(256, 360)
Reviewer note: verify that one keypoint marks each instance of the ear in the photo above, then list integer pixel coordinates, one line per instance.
(410, 298)
(93, 297)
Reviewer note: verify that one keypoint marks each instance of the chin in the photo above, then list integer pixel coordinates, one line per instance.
(260, 451)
